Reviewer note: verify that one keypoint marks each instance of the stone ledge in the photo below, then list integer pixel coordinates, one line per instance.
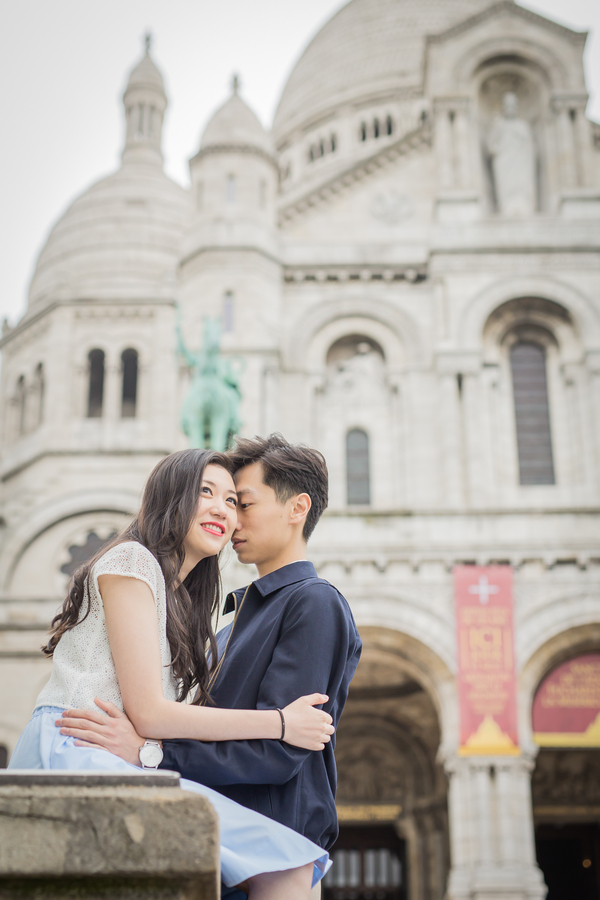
(96, 835)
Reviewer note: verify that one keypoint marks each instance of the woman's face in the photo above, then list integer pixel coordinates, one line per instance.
(215, 516)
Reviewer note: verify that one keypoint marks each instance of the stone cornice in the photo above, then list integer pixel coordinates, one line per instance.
(87, 303)
(414, 140)
(575, 37)
(235, 148)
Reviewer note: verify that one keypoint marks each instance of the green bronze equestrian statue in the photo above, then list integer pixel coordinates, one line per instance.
(210, 411)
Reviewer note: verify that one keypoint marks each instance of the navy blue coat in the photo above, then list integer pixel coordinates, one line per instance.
(294, 634)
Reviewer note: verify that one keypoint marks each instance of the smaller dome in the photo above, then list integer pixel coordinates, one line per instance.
(235, 125)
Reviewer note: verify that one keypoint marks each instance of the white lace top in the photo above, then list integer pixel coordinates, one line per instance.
(83, 664)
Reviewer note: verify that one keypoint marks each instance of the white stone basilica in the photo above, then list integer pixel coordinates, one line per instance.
(407, 274)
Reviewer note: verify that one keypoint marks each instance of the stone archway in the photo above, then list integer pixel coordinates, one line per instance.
(565, 782)
(392, 792)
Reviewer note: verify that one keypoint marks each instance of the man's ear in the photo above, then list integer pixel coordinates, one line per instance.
(301, 504)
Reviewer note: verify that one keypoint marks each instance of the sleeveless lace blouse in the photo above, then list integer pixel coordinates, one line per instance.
(83, 664)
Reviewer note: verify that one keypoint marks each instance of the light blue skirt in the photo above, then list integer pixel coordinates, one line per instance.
(250, 842)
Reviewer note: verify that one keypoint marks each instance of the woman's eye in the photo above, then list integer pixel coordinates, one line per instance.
(232, 500)
(207, 490)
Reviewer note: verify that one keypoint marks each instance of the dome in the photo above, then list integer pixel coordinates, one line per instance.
(368, 48)
(146, 75)
(235, 125)
(119, 240)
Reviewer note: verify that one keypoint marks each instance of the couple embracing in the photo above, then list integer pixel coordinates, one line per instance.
(247, 716)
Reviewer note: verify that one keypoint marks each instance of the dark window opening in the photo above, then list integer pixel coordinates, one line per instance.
(311, 154)
(333, 143)
(357, 468)
(80, 553)
(96, 383)
(532, 414)
(321, 148)
(389, 126)
(376, 128)
(20, 398)
(369, 863)
(40, 389)
(363, 131)
(3, 756)
(129, 368)
(228, 312)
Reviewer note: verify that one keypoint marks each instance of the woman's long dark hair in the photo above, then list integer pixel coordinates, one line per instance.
(168, 508)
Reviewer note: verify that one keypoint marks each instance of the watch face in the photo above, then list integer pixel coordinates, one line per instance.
(150, 756)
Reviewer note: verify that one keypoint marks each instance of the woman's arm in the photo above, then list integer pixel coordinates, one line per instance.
(132, 628)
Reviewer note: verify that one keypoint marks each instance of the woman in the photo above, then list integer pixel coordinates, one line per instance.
(134, 630)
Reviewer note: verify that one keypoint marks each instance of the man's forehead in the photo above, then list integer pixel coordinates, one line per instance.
(249, 479)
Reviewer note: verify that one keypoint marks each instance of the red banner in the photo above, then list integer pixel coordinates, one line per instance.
(566, 708)
(486, 669)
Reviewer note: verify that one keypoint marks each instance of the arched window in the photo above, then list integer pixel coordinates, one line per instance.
(376, 128)
(20, 406)
(228, 311)
(532, 414)
(129, 368)
(321, 147)
(389, 126)
(96, 383)
(363, 131)
(333, 143)
(38, 394)
(357, 467)
(230, 194)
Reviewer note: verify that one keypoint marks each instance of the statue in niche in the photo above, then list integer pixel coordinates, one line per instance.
(513, 157)
(210, 411)
(360, 372)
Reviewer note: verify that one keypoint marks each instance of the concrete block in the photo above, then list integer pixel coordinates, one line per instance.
(98, 835)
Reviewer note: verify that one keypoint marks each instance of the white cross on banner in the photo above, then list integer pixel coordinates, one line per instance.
(483, 589)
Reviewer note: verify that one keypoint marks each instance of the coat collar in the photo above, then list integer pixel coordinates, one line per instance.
(274, 581)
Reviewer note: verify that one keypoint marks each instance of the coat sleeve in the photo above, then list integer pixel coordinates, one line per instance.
(316, 642)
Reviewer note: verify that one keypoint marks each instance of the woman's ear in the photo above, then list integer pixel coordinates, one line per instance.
(301, 504)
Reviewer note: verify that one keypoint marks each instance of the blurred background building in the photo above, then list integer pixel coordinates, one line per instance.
(407, 275)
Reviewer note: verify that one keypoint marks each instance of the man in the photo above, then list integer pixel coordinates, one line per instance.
(292, 634)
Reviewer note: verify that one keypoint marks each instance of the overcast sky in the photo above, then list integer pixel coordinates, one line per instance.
(64, 66)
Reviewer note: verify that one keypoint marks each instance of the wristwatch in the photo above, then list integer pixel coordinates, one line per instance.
(151, 755)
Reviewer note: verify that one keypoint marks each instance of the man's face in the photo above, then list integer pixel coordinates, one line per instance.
(263, 529)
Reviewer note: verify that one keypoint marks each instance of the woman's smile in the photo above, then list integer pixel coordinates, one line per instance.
(213, 527)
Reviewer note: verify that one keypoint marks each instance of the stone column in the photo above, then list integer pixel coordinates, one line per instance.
(451, 440)
(444, 146)
(574, 140)
(462, 145)
(491, 830)
(105, 837)
(566, 145)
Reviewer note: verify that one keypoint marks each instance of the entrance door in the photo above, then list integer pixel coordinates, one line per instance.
(569, 857)
(369, 863)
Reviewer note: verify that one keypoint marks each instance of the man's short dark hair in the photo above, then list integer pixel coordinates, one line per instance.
(289, 469)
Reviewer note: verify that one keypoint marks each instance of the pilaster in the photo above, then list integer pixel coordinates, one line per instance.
(491, 830)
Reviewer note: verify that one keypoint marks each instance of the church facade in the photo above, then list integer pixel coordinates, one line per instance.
(406, 271)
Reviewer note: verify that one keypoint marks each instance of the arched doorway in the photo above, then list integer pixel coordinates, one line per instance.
(566, 778)
(392, 794)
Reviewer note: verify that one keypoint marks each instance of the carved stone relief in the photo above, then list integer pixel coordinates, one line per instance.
(566, 777)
